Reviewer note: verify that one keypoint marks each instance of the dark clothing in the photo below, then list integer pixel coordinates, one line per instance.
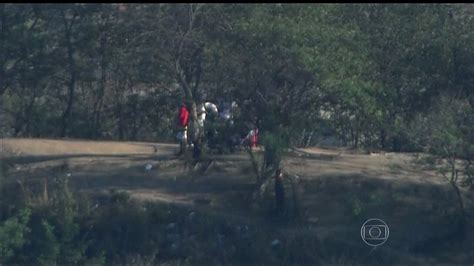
(197, 151)
(279, 194)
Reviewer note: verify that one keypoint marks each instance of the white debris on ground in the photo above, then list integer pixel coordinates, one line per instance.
(275, 243)
(171, 226)
(148, 167)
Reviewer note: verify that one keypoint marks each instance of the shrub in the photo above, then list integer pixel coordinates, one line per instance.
(275, 145)
(13, 234)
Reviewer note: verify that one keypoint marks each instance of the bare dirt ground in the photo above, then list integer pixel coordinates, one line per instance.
(336, 190)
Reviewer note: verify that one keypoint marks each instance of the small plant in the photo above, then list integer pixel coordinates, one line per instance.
(376, 199)
(275, 145)
(355, 206)
(48, 245)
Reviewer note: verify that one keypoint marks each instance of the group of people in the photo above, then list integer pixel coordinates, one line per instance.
(226, 116)
(220, 130)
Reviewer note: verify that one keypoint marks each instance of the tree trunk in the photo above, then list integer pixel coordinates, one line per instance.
(303, 135)
(136, 123)
(2, 49)
(460, 202)
(383, 136)
(119, 91)
(356, 139)
(28, 112)
(72, 80)
(309, 138)
(185, 77)
(196, 131)
(296, 205)
(254, 164)
(71, 88)
(103, 80)
(104, 29)
(120, 121)
(453, 182)
(120, 126)
(352, 136)
(98, 113)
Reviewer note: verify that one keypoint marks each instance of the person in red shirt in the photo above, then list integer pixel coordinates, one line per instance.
(183, 116)
(252, 138)
(183, 121)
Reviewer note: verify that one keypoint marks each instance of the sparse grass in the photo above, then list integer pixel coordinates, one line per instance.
(395, 168)
(123, 230)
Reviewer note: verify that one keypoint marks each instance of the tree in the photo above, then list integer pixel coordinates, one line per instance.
(446, 132)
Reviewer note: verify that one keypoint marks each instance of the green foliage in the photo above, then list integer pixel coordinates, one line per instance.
(65, 217)
(446, 133)
(48, 245)
(356, 207)
(446, 130)
(121, 228)
(14, 234)
(275, 144)
(54, 235)
(120, 71)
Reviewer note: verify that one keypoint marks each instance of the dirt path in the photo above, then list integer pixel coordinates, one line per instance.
(50, 147)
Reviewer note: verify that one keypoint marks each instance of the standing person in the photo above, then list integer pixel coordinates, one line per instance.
(201, 114)
(210, 125)
(183, 127)
(252, 138)
(279, 192)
